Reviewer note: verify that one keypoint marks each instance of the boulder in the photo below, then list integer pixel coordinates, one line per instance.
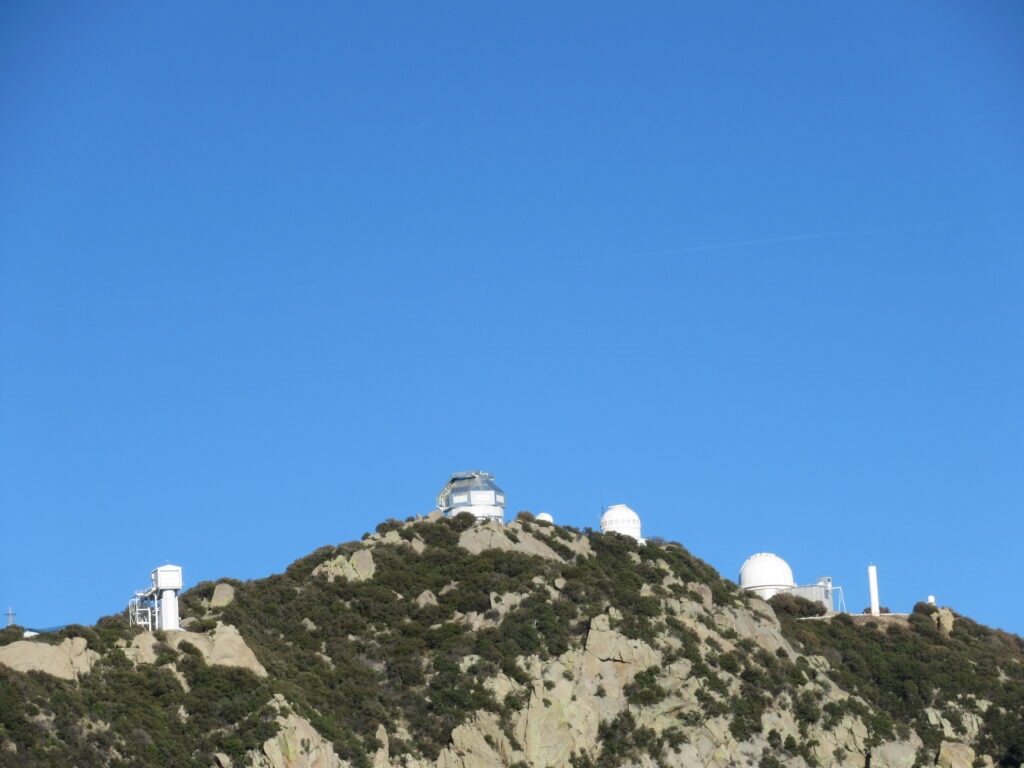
(953, 754)
(296, 745)
(895, 754)
(426, 597)
(479, 743)
(382, 758)
(359, 567)
(223, 646)
(493, 535)
(223, 594)
(69, 660)
(944, 620)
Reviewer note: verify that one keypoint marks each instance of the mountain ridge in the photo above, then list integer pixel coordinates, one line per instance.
(445, 642)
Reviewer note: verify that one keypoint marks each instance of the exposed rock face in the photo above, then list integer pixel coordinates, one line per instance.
(955, 755)
(296, 745)
(223, 594)
(223, 646)
(359, 567)
(479, 743)
(896, 754)
(426, 597)
(70, 660)
(944, 620)
(692, 668)
(512, 538)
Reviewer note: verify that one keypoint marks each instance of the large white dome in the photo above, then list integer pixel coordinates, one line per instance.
(621, 519)
(766, 575)
(544, 517)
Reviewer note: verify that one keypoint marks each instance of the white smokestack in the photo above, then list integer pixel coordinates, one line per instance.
(169, 609)
(873, 587)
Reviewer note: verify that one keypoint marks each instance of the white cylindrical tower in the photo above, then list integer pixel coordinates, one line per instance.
(766, 575)
(931, 599)
(167, 582)
(169, 609)
(621, 519)
(873, 589)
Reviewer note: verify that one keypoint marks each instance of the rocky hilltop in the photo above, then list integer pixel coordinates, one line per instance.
(448, 643)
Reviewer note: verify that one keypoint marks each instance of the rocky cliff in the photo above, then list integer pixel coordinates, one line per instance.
(439, 642)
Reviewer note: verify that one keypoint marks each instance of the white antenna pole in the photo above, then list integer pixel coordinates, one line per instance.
(10, 616)
(873, 587)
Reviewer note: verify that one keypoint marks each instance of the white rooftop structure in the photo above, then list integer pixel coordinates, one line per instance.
(474, 492)
(621, 519)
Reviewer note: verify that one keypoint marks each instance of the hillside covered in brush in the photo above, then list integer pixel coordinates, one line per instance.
(450, 643)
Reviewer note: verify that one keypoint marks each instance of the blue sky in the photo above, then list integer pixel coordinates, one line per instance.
(268, 274)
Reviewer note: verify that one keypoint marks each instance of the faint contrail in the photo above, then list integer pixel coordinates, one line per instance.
(187, 297)
(755, 241)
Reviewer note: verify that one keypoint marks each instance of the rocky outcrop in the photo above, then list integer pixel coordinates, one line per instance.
(69, 660)
(953, 754)
(425, 598)
(944, 620)
(222, 646)
(223, 595)
(296, 745)
(896, 754)
(511, 538)
(358, 567)
(479, 743)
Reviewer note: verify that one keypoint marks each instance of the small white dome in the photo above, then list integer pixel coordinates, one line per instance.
(544, 517)
(621, 519)
(766, 574)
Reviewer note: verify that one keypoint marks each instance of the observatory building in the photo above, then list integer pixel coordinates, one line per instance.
(474, 492)
(621, 519)
(544, 517)
(767, 575)
(157, 607)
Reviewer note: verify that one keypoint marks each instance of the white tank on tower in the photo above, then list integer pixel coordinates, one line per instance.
(621, 519)
(766, 575)
(474, 492)
(544, 517)
(157, 607)
(167, 581)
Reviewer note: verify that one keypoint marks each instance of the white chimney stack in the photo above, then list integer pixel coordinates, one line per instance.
(873, 587)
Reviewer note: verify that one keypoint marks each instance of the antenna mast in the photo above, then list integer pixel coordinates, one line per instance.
(10, 616)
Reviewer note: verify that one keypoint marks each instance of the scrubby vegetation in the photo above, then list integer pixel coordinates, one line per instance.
(418, 646)
(906, 669)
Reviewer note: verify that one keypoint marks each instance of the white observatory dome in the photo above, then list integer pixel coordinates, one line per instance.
(621, 519)
(544, 517)
(766, 575)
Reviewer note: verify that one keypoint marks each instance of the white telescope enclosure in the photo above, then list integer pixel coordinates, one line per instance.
(474, 492)
(766, 574)
(619, 518)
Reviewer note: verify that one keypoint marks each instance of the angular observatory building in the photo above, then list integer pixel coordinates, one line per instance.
(474, 492)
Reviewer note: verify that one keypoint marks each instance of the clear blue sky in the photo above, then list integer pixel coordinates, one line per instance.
(269, 273)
